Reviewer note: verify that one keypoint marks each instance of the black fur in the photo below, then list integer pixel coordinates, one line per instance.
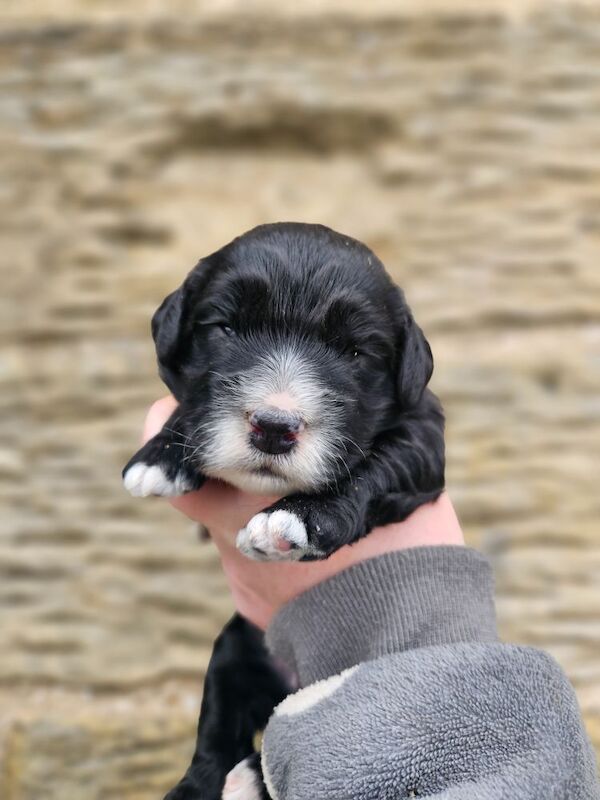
(241, 688)
(329, 299)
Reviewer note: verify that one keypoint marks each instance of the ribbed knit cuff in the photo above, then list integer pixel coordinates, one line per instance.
(398, 601)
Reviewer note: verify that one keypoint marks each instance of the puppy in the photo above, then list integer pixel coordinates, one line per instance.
(299, 372)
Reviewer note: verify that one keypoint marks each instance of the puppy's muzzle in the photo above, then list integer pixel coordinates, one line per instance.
(274, 430)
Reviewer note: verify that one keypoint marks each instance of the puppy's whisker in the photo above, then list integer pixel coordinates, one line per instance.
(344, 439)
(175, 432)
(339, 458)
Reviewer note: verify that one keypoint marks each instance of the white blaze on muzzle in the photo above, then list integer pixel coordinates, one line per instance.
(287, 380)
(282, 380)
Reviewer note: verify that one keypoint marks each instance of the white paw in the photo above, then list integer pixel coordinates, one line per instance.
(278, 536)
(241, 783)
(142, 480)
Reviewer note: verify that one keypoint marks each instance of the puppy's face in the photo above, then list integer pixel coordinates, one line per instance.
(290, 350)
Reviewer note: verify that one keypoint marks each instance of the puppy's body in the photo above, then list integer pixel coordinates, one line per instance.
(299, 372)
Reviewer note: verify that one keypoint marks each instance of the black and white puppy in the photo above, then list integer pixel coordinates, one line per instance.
(300, 372)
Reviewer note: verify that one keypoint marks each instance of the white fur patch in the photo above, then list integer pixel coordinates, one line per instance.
(241, 783)
(256, 483)
(287, 379)
(142, 480)
(304, 699)
(278, 536)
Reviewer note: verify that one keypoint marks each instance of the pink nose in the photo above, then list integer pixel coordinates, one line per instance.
(282, 400)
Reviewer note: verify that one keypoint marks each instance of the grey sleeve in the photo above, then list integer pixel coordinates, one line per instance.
(402, 600)
(473, 721)
(409, 693)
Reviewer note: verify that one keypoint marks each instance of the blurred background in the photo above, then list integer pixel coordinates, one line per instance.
(460, 140)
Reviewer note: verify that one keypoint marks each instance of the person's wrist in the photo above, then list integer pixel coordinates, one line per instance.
(261, 589)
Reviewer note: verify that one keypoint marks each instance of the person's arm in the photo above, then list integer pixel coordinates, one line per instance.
(430, 704)
(408, 693)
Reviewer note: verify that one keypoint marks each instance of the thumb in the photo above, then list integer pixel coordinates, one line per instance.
(158, 413)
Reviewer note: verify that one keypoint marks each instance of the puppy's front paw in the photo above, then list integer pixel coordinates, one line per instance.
(142, 480)
(242, 783)
(158, 469)
(274, 536)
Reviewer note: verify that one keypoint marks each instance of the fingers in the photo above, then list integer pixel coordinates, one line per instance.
(158, 413)
(222, 508)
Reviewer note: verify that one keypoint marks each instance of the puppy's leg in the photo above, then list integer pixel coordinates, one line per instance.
(162, 466)
(241, 688)
(404, 470)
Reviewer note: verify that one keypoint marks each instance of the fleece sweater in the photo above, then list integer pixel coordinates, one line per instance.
(407, 692)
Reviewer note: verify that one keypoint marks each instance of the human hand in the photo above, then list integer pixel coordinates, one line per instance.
(259, 589)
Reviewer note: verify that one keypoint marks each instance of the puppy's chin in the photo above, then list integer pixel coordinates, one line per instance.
(256, 482)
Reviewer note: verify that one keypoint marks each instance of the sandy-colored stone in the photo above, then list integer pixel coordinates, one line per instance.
(462, 146)
(70, 746)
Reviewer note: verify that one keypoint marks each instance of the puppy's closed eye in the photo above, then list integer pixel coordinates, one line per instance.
(219, 327)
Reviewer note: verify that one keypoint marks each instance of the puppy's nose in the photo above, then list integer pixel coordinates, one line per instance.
(274, 430)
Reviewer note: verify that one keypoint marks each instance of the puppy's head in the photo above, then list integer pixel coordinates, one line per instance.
(290, 349)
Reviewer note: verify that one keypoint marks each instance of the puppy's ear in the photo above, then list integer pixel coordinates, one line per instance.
(167, 324)
(415, 364)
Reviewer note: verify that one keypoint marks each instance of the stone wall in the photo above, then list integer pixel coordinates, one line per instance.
(463, 147)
